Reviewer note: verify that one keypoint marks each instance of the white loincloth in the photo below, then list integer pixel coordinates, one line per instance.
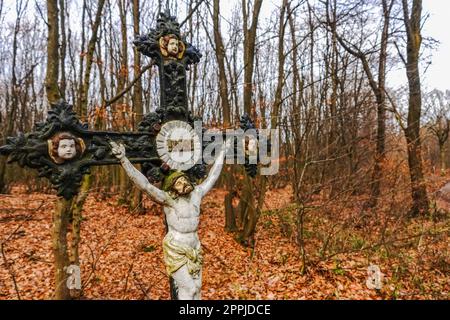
(177, 254)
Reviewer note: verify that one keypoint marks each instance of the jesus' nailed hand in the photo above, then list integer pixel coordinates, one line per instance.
(181, 201)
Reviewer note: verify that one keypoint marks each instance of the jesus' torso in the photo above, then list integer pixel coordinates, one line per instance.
(182, 216)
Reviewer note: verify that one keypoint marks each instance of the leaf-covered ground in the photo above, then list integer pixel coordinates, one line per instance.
(121, 253)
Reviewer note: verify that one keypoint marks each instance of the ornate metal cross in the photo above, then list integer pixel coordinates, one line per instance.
(43, 148)
(63, 149)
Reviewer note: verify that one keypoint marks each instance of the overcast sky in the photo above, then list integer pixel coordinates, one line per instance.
(438, 27)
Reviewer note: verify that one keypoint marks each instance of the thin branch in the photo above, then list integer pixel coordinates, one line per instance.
(41, 14)
(128, 88)
(191, 13)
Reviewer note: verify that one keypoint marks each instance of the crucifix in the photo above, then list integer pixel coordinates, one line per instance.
(63, 149)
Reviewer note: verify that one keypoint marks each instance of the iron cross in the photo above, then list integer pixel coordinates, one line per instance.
(63, 149)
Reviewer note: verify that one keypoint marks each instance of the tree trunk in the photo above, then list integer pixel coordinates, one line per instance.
(381, 108)
(62, 211)
(136, 200)
(2, 174)
(249, 51)
(442, 150)
(247, 215)
(52, 74)
(230, 215)
(230, 211)
(124, 181)
(246, 207)
(413, 28)
(11, 114)
(63, 48)
(253, 194)
(76, 219)
(84, 88)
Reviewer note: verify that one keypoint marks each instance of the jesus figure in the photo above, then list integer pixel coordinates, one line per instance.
(181, 201)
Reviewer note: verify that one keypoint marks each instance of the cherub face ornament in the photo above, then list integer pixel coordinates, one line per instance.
(171, 47)
(64, 146)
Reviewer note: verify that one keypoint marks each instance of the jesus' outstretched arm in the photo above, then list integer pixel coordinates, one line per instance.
(136, 176)
(214, 173)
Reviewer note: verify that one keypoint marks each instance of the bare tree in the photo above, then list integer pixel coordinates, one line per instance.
(247, 214)
(13, 109)
(138, 107)
(52, 76)
(89, 58)
(121, 105)
(412, 18)
(377, 85)
(249, 48)
(219, 50)
(62, 213)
